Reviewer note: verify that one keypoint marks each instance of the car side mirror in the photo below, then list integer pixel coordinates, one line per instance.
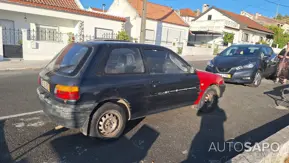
(191, 70)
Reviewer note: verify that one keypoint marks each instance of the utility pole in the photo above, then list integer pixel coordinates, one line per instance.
(277, 11)
(143, 22)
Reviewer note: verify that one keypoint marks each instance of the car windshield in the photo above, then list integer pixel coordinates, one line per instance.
(69, 59)
(241, 51)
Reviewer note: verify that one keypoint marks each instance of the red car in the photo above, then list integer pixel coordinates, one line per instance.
(98, 86)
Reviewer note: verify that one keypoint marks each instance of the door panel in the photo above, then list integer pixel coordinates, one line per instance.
(174, 90)
(171, 85)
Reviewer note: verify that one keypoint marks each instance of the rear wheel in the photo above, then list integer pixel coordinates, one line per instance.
(257, 79)
(109, 121)
(209, 100)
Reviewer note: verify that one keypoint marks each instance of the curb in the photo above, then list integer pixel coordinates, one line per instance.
(281, 137)
(19, 69)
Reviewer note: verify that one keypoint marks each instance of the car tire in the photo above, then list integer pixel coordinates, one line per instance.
(257, 79)
(209, 100)
(109, 121)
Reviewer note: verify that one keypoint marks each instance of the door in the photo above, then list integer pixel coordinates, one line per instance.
(171, 85)
(268, 61)
(125, 77)
(12, 39)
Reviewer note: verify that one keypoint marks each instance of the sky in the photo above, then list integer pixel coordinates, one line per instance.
(261, 6)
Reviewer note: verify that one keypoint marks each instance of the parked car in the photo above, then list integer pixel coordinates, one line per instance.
(245, 64)
(98, 86)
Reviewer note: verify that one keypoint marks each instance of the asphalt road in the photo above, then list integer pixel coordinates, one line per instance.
(181, 135)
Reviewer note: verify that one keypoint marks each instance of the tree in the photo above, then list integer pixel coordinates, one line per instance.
(228, 37)
(280, 37)
(122, 35)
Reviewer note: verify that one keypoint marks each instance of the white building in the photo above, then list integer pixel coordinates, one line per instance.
(163, 26)
(266, 20)
(210, 26)
(46, 23)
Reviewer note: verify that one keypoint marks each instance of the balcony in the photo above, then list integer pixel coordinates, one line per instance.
(216, 26)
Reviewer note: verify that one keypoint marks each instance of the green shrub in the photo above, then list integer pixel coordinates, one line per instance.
(122, 35)
(70, 37)
(180, 50)
(228, 37)
(216, 50)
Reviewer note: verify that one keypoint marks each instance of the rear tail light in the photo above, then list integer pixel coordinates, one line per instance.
(39, 80)
(67, 92)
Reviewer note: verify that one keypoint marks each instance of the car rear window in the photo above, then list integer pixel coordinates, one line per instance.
(70, 59)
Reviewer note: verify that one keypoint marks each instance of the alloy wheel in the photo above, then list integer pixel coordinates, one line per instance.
(257, 79)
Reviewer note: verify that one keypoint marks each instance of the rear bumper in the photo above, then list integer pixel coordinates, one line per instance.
(69, 116)
(245, 76)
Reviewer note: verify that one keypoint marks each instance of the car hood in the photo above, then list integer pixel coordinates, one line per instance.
(228, 62)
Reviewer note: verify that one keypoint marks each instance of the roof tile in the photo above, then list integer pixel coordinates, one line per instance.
(245, 20)
(66, 6)
(187, 12)
(97, 9)
(158, 12)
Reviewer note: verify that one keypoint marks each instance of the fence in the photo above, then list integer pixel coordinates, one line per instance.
(54, 36)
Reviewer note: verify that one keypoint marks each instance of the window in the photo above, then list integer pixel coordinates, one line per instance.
(163, 62)
(240, 51)
(150, 35)
(70, 59)
(124, 60)
(270, 51)
(47, 33)
(209, 17)
(169, 35)
(103, 33)
(246, 37)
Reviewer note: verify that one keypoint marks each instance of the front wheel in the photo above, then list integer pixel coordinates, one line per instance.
(209, 100)
(257, 79)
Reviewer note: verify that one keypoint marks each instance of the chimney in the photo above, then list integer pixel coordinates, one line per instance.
(257, 15)
(198, 12)
(205, 7)
(103, 6)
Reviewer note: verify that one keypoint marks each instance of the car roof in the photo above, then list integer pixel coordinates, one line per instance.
(119, 42)
(252, 45)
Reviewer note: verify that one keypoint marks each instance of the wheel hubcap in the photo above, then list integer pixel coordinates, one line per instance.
(108, 123)
(257, 78)
(209, 99)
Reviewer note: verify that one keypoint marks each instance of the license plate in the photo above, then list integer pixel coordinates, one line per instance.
(45, 85)
(225, 75)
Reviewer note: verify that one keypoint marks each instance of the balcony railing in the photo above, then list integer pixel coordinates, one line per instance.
(212, 25)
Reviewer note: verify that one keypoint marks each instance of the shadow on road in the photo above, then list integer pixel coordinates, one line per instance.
(210, 135)
(209, 145)
(5, 154)
(276, 95)
(78, 148)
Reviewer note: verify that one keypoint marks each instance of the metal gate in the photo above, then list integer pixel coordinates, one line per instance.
(12, 43)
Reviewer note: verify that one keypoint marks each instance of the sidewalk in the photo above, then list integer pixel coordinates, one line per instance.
(14, 64)
(190, 58)
(257, 155)
(9, 65)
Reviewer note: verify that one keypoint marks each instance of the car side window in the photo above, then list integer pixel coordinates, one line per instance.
(164, 62)
(270, 51)
(124, 61)
(265, 51)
